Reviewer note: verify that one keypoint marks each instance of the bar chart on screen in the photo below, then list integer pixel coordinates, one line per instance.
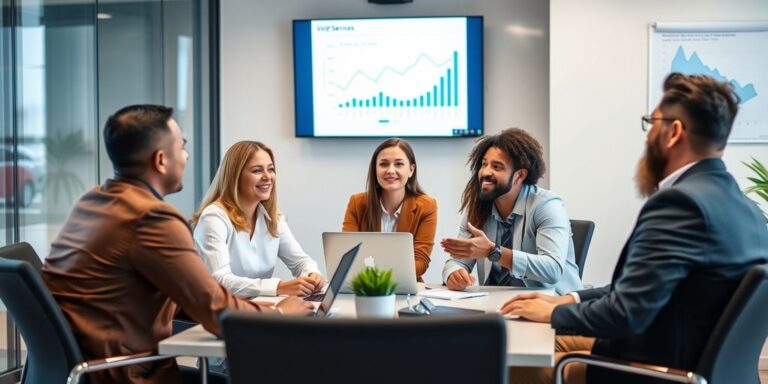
(444, 93)
(398, 77)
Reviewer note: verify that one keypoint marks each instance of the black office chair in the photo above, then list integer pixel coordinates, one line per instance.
(22, 252)
(457, 349)
(582, 236)
(52, 350)
(732, 352)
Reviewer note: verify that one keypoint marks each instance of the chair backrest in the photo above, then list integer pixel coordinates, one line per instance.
(733, 350)
(470, 349)
(582, 236)
(52, 350)
(23, 252)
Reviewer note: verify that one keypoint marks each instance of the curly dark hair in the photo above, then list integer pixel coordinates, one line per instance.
(524, 151)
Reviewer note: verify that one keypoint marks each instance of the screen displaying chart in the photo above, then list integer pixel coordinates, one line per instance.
(409, 77)
(734, 56)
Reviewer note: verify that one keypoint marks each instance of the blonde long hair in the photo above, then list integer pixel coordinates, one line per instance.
(225, 185)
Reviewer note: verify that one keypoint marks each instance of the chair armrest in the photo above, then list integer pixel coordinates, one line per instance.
(659, 372)
(112, 362)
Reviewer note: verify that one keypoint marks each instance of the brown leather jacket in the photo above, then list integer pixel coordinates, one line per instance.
(121, 266)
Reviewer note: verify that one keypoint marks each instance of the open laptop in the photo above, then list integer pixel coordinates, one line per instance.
(327, 298)
(385, 250)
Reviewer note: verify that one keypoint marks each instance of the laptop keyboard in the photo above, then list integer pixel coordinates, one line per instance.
(315, 297)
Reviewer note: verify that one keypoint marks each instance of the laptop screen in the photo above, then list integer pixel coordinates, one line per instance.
(337, 280)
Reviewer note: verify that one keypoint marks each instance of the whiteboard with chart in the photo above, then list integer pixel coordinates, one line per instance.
(736, 53)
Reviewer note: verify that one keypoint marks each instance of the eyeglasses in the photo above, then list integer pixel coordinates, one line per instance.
(647, 121)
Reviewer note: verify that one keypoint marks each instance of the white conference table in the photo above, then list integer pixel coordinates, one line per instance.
(528, 343)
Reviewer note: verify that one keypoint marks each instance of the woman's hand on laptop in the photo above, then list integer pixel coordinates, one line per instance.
(294, 306)
(300, 286)
(317, 281)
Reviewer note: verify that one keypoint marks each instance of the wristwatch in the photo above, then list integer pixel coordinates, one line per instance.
(495, 254)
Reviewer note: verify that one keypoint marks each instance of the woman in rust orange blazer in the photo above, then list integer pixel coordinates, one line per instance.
(394, 201)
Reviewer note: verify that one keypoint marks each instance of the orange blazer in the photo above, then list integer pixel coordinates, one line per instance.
(417, 216)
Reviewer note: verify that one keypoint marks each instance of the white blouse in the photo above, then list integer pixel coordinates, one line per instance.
(244, 264)
(389, 222)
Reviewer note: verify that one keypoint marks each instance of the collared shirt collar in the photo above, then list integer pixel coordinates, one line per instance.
(672, 177)
(141, 183)
(518, 210)
(389, 222)
(262, 211)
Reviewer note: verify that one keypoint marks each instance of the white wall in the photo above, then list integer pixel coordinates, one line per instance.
(316, 176)
(598, 91)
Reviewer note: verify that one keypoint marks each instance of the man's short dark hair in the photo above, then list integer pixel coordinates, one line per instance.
(133, 134)
(711, 107)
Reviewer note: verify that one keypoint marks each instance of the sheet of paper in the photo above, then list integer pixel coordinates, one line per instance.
(445, 294)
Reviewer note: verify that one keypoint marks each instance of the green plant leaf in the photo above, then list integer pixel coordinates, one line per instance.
(372, 281)
(759, 181)
(757, 167)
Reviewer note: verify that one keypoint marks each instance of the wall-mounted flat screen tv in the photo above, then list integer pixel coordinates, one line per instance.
(385, 77)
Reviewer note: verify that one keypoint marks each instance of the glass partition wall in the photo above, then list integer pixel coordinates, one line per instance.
(67, 65)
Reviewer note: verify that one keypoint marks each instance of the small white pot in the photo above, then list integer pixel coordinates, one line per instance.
(382, 307)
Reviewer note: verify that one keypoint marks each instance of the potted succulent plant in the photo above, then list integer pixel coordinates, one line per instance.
(374, 293)
(759, 181)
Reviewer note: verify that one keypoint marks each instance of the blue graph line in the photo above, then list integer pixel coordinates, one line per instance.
(694, 65)
(388, 68)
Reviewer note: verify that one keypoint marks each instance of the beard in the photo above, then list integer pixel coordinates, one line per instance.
(498, 190)
(650, 169)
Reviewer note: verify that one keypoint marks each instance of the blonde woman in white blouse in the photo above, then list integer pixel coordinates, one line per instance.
(240, 233)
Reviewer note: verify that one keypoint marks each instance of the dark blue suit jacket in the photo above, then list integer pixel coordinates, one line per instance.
(690, 247)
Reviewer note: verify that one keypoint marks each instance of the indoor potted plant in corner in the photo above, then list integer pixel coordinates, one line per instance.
(374, 293)
(759, 181)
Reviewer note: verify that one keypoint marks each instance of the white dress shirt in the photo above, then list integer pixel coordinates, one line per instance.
(244, 264)
(389, 222)
(672, 177)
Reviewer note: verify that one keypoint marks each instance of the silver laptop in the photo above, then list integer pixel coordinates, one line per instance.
(392, 250)
(329, 296)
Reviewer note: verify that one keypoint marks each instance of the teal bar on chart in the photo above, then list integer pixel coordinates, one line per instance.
(448, 76)
(444, 93)
(455, 78)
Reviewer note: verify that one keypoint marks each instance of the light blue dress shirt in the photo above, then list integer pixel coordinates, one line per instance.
(543, 253)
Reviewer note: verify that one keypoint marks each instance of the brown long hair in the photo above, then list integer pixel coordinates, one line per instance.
(225, 185)
(524, 152)
(412, 188)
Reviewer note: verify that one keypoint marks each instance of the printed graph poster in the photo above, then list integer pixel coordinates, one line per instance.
(733, 52)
